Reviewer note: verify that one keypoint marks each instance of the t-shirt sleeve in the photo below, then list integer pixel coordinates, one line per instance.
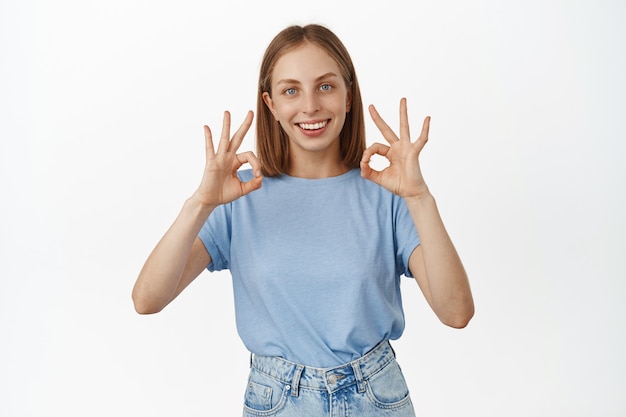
(406, 236)
(216, 236)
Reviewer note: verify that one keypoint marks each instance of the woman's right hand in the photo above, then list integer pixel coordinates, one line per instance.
(220, 183)
(180, 255)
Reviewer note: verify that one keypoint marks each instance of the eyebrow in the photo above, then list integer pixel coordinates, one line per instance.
(294, 81)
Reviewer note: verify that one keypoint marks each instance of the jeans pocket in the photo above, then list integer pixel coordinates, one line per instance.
(264, 395)
(387, 389)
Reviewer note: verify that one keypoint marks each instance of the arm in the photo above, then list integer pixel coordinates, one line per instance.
(175, 262)
(435, 263)
(437, 267)
(180, 256)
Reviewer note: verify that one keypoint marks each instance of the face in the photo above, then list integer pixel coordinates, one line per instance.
(310, 100)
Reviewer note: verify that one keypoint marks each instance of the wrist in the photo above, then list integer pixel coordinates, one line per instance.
(198, 205)
(419, 200)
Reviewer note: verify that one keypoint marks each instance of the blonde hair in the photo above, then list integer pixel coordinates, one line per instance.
(272, 142)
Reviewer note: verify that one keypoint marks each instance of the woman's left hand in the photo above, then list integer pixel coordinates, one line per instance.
(403, 175)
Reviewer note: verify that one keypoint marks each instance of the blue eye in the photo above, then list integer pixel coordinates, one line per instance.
(326, 87)
(290, 91)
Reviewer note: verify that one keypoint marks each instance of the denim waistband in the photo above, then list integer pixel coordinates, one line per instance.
(326, 379)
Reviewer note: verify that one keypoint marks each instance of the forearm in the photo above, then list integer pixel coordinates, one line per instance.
(446, 285)
(161, 274)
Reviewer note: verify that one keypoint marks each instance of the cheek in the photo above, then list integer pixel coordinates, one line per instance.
(341, 107)
(285, 125)
(340, 104)
(284, 110)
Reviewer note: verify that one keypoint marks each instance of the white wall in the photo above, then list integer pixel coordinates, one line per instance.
(101, 113)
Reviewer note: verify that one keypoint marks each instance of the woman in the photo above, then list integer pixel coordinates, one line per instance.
(315, 239)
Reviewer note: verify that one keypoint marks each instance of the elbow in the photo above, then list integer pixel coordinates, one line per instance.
(145, 310)
(457, 323)
(458, 320)
(144, 306)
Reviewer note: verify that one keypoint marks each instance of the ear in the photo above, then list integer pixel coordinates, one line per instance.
(349, 101)
(269, 103)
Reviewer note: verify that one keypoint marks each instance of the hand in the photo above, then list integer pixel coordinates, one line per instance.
(220, 183)
(403, 175)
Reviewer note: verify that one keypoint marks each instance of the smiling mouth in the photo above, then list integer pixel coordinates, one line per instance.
(313, 126)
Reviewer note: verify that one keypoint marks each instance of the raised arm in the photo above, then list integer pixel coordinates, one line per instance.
(180, 256)
(435, 263)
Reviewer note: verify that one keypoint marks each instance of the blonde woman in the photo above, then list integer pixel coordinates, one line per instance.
(315, 239)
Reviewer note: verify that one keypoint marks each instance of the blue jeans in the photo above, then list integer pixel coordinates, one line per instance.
(373, 385)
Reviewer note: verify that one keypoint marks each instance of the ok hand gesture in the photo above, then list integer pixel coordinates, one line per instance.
(403, 175)
(220, 183)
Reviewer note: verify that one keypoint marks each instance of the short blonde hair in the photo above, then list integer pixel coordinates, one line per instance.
(272, 142)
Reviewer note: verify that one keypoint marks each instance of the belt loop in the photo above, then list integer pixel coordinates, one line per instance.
(356, 367)
(251, 359)
(295, 383)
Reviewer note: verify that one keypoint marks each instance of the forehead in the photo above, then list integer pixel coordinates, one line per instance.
(303, 63)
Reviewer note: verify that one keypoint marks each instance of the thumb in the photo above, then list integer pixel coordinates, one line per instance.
(252, 185)
(369, 173)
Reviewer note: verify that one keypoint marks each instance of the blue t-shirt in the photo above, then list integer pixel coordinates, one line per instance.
(316, 265)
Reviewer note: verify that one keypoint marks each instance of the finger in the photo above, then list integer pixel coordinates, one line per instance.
(250, 158)
(249, 186)
(254, 183)
(208, 142)
(235, 143)
(374, 149)
(423, 138)
(405, 134)
(384, 128)
(225, 137)
(370, 173)
(366, 170)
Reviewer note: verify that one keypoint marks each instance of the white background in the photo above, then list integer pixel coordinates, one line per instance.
(101, 113)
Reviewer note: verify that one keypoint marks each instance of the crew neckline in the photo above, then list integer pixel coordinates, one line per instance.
(326, 180)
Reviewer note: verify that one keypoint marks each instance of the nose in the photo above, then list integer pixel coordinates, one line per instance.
(310, 103)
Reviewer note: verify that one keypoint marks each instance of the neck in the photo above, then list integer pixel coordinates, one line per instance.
(315, 168)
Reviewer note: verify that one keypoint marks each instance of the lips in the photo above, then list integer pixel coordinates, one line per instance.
(313, 126)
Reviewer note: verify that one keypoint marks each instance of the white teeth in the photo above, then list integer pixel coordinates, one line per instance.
(312, 126)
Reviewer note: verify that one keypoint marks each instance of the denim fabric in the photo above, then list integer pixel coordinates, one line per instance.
(373, 385)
